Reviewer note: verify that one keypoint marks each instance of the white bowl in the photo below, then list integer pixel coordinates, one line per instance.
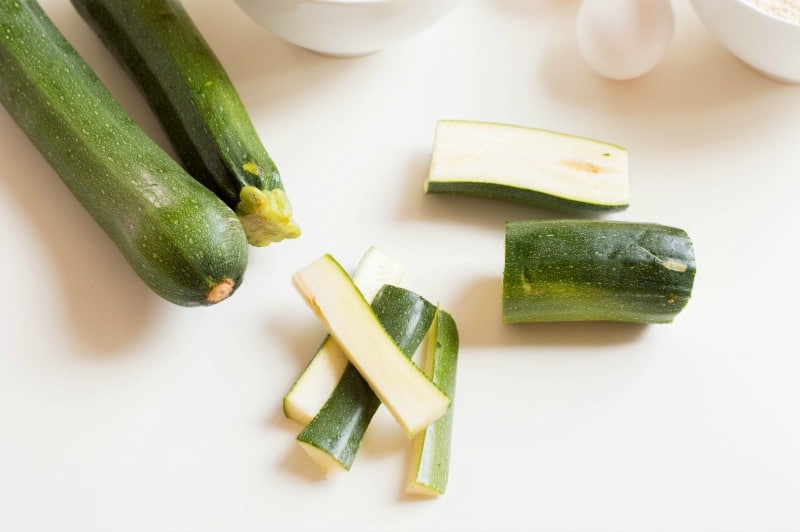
(346, 27)
(765, 42)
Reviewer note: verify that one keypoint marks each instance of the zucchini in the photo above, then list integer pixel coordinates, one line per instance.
(189, 90)
(185, 243)
(313, 387)
(430, 457)
(573, 270)
(411, 397)
(332, 438)
(529, 166)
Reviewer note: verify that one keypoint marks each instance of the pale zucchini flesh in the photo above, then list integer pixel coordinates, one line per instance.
(410, 396)
(313, 387)
(332, 438)
(530, 166)
(430, 456)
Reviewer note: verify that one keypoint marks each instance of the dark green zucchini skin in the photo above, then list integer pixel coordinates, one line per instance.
(185, 243)
(575, 270)
(191, 93)
(340, 425)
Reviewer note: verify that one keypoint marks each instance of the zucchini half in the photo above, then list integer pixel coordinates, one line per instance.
(529, 166)
(190, 91)
(575, 270)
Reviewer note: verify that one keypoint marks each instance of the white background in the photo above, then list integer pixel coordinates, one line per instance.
(121, 412)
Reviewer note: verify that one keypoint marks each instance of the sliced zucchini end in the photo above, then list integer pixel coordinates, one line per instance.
(327, 463)
(266, 216)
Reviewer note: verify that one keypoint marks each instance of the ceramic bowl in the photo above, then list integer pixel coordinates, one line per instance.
(346, 27)
(767, 43)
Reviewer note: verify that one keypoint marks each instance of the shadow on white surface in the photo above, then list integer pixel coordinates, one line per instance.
(479, 315)
(105, 303)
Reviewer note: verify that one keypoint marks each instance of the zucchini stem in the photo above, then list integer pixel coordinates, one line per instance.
(220, 290)
(266, 216)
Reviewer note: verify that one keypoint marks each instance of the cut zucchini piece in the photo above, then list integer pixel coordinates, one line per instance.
(411, 397)
(333, 437)
(530, 166)
(313, 387)
(574, 270)
(430, 456)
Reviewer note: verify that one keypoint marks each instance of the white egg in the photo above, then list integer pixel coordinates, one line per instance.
(624, 39)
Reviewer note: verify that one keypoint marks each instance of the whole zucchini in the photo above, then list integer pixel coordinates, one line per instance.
(575, 270)
(185, 243)
(189, 90)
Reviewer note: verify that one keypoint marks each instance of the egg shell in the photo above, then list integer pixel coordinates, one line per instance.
(624, 39)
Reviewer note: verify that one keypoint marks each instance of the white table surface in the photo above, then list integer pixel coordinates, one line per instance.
(122, 412)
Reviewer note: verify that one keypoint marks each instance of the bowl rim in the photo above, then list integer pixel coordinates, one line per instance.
(747, 4)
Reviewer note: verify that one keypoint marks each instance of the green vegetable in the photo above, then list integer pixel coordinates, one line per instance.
(430, 462)
(313, 387)
(333, 436)
(199, 107)
(411, 397)
(571, 270)
(185, 243)
(529, 166)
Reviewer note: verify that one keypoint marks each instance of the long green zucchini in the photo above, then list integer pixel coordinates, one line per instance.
(189, 90)
(185, 243)
(333, 436)
(574, 270)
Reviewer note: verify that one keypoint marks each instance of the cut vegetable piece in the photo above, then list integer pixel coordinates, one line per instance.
(193, 96)
(414, 401)
(529, 166)
(313, 387)
(181, 240)
(430, 456)
(573, 270)
(332, 438)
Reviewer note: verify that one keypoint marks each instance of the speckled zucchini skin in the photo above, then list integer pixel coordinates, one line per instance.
(200, 109)
(575, 270)
(177, 235)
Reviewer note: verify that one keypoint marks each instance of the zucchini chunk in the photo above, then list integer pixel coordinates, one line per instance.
(313, 387)
(411, 397)
(199, 107)
(333, 436)
(529, 166)
(574, 270)
(183, 242)
(430, 455)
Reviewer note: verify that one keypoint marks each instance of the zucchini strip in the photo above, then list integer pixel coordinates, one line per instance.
(313, 387)
(333, 436)
(430, 456)
(199, 107)
(411, 397)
